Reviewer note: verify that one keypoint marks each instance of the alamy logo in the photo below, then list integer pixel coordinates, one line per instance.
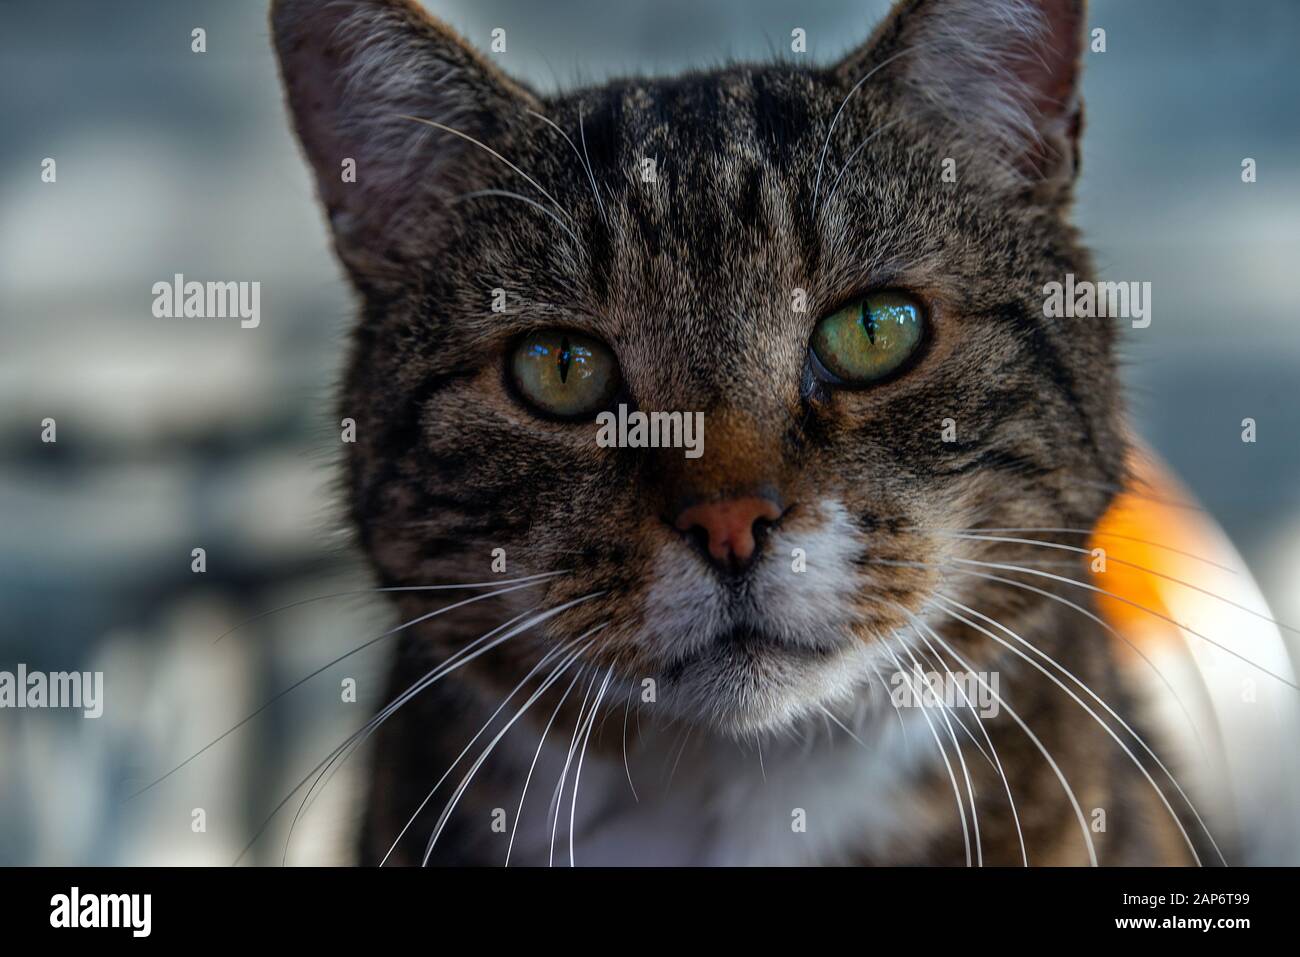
(1087, 300)
(960, 689)
(654, 430)
(179, 299)
(56, 689)
(134, 911)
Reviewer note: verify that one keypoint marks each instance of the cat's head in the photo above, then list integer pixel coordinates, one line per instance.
(840, 267)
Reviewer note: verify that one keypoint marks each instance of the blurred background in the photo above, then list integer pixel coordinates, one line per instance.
(173, 435)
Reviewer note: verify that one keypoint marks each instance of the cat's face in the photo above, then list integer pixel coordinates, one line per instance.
(702, 229)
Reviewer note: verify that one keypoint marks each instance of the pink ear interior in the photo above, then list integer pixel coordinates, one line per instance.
(1051, 71)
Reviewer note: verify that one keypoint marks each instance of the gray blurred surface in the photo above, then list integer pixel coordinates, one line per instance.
(174, 435)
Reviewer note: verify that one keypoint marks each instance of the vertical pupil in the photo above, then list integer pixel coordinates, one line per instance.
(566, 356)
(868, 322)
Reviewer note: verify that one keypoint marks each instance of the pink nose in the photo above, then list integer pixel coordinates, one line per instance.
(729, 526)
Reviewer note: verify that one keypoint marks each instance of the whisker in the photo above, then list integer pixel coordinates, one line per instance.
(537, 754)
(340, 755)
(1089, 532)
(542, 662)
(583, 159)
(1104, 624)
(1105, 727)
(1015, 816)
(943, 753)
(890, 698)
(1047, 755)
(491, 746)
(1100, 591)
(451, 664)
(490, 151)
(510, 194)
(843, 727)
(536, 620)
(577, 774)
(961, 759)
(375, 591)
(554, 809)
(582, 135)
(854, 155)
(936, 662)
(1136, 567)
(628, 770)
(834, 120)
(686, 739)
(297, 684)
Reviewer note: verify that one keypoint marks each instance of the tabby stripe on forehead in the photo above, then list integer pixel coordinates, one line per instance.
(780, 121)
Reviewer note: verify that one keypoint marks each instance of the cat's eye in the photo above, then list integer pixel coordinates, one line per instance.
(565, 374)
(869, 339)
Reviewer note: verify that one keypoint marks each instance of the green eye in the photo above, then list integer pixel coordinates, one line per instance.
(565, 374)
(870, 339)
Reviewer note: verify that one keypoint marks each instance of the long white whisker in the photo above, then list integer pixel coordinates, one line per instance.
(1088, 532)
(1006, 784)
(961, 757)
(325, 667)
(537, 754)
(1116, 738)
(483, 146)
(354, 741)
(583, 159)
(1100, 591)
(626, 768)
(1120, 598)
(830, 194)
(536, 620)
(938, 664)
(1103, 624)
(564, 773)
(943, 753)
(511, 194)
(1060, 776)
(686, 739)
(375, 591)
(577, 774)
(1133, 565)
(491, 746)
(844, 727)
(568, 648)
(834, 120)
(890, 698)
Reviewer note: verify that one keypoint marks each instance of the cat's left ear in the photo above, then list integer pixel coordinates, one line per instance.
(393, 111)
(1000, 76)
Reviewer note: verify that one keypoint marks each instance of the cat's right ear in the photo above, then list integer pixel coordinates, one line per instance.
(1000, 78)
(364, 79)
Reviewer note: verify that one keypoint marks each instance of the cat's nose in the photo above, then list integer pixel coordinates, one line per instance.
(729, 531)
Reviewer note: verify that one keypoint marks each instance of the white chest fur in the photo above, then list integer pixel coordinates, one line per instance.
(825, 800)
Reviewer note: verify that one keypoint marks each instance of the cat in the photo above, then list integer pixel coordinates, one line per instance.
(698, 660)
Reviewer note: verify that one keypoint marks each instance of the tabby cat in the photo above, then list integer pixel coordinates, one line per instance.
(697, 660)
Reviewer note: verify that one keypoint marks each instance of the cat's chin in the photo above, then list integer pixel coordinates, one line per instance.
(747, 683)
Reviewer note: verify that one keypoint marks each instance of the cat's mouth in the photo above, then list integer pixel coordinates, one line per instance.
(747, 679)
(743, 641)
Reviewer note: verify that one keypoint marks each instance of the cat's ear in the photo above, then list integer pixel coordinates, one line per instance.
(1002, 76)
(364, 80)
